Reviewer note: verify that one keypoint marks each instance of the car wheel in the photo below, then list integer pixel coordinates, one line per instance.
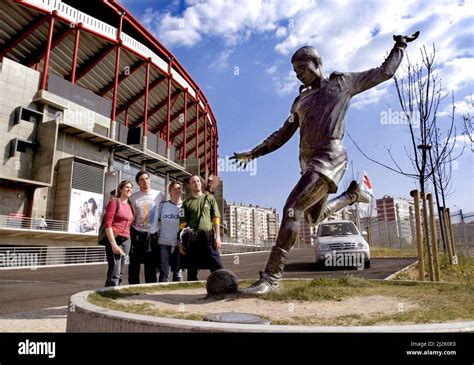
(367, 264)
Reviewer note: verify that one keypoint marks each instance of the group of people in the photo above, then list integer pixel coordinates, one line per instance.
(144, 228)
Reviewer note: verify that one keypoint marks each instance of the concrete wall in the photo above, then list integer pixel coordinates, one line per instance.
(13, 199)
(62, 187)
(76, 115)
(42, 166)
(69, 146)
(18, 86)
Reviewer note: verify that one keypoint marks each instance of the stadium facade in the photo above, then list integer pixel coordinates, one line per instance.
(87, 98)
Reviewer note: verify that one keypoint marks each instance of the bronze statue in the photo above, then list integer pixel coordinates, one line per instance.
(319, 112)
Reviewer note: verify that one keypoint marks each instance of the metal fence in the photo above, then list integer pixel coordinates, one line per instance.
(20, 222)
(20, 257)
(400, 233)
(35, 257)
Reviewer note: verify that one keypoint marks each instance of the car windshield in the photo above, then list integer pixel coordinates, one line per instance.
(337, 229)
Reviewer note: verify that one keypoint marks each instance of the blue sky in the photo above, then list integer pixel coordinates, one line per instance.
(239, 53)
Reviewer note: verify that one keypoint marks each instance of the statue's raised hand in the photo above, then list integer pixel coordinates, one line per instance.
(241, 159)
(406, 38)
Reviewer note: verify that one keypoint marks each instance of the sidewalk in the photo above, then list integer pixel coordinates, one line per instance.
(41, 320)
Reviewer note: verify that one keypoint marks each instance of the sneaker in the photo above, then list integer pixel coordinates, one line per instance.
(360, 196)
(262, 286)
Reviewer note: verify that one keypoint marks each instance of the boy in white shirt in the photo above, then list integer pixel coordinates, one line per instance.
(168, 237)
(144, 230)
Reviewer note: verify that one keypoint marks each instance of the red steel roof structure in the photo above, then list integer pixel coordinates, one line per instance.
(100, 46)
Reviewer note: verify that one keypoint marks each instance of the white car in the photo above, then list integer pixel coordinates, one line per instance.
(340, 244)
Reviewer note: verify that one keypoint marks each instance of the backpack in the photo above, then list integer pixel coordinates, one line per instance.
(102, 236)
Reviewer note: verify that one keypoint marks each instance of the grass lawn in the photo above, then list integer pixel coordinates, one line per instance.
(462, 273)
(434, 302)
(377, 251)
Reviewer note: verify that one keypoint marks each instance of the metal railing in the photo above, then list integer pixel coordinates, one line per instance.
(35, 257)
(37, 224)
(22, 257)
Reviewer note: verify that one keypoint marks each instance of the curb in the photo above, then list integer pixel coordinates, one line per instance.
(84, 316)
(406, 268)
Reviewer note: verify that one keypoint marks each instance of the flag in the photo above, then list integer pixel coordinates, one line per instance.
(367, 185)
(367, 210)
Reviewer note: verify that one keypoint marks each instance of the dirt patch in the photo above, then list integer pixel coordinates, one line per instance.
(311, 312)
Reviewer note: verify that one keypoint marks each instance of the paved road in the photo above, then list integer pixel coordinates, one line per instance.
(27, 290)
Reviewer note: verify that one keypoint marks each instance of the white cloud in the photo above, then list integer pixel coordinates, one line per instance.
(358, 38)
(465, 106)
(461, 140)
(233, 20)
(281, 32)
(462, 107)
(271, 70)
(222, 60)
(368, 97)
(286, 84)
(457, 72)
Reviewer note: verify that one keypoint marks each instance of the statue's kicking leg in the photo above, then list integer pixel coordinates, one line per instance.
(321, 210)
(310, 189)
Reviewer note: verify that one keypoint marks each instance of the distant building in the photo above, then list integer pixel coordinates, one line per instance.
(251, 223)
(306, 233)
(395, 224)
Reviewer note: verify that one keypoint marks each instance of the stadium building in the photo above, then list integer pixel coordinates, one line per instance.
(88, 98)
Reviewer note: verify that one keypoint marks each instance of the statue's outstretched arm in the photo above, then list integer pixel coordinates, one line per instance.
(361, 81)
(272, 143)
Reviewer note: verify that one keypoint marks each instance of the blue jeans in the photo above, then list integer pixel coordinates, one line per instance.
(169, 258)
(116, 262)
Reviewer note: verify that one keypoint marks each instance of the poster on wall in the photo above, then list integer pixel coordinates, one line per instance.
(85, 212)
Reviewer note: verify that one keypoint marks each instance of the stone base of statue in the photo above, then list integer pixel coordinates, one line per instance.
(305, 305)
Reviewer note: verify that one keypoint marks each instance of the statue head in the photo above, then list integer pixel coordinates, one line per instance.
(308, 65)
(307, 53)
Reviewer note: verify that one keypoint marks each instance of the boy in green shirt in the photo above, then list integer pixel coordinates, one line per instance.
(200, 212)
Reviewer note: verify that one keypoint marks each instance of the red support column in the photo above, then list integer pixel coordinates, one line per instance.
(205, 142)
(168, 117)
(74, 55)
(216, 155)
(145, 108)
(197, 126)
(213, 154)
(185, 121)
(44, 75)
(211, 147)
(117, 67)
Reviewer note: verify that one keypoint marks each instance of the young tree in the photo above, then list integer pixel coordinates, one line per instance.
(469, 129)
(430, 153)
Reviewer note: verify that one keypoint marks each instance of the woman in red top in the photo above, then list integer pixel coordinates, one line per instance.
(117, 228)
